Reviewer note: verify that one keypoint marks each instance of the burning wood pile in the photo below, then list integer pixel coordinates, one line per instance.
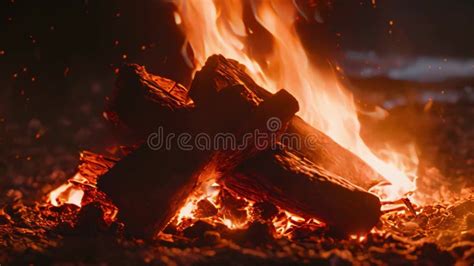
(275, 173)
(147, 185)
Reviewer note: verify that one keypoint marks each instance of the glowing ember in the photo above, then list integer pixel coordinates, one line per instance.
(218, 27)
(285, 222)
(67, 194)
(188, 213)
(72, 192)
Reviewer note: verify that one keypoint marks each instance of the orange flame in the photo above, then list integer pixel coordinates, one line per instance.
(218, 27)
(209, 192)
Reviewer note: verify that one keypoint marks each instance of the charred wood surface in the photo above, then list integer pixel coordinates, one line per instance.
(220, 72)
(294, 183)
(154, 101)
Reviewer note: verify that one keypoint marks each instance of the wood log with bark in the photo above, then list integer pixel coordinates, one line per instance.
(154, 101)
(220, 72)
(284, 177)
(289, 180)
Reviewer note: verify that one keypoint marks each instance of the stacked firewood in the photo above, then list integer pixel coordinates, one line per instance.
(324, 181)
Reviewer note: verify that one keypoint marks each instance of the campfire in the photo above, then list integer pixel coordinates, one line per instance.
(260, 156)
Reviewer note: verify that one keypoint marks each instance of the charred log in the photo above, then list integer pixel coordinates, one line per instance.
(153, 102)
(220, 72)
(294, 183)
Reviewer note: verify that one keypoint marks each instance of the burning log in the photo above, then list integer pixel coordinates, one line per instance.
(281, 174)
(151, 184)
(220, 72)
(294, 183)
(153, 101)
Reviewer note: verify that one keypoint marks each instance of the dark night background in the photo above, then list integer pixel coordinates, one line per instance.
(57, 58)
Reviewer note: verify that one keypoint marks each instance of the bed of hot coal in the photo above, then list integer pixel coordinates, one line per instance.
(32, 231)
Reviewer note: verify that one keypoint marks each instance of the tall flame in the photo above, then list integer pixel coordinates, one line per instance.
(218, 27)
